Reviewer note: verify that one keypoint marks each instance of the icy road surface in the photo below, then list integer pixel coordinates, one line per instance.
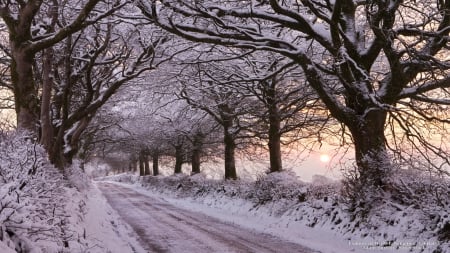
(162, 227)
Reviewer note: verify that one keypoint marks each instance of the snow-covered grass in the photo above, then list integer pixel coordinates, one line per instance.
(316, 214)
(45, 210)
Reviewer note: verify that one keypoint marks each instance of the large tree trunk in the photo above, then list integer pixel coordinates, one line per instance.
(47, 131)
(370, 148)
(133, 163)
(195, 160)
(275, 152)
(196, 153)
(178, 158)
(56, 155)
(141, 164)
(73, 145)
(274, 140)
(274, 126)
(230, 163)
(155, 158)
(61, 102)
(66, 145)
(25, 92)
(146, 164)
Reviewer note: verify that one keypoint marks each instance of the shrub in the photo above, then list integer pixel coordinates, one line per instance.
(32, 197)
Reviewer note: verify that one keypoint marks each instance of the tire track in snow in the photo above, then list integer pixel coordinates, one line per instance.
(162, 227)
(222, 233)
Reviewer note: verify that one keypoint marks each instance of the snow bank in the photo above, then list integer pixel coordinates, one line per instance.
(5, 249)
(314, 214)
(45, 210)
(33, 196)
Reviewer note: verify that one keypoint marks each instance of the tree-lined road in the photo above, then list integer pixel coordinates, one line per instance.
(162, 227)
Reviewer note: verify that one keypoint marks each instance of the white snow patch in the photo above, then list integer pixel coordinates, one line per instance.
(104, 226)
(236, 211)
(5, 249)
(314, 214)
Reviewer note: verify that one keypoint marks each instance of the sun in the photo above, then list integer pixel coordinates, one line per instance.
(324, 158)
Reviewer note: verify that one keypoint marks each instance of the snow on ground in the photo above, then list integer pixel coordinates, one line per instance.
(237, 212)
(163, 227)
(5, 249)
(46, 210)
(309, 214)
(104, 228)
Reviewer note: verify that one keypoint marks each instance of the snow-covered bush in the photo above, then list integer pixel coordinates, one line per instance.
(77, 177)
(411, 208)
(33, 198)
(425, 193)
(276, 186)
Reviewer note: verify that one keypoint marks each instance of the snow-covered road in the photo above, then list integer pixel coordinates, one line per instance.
(162, 227)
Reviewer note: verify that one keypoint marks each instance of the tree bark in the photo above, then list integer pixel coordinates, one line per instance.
(371, 153)
(146, 164)
(47, 130)
(230, 147)
(275, 149)
(133, 167)
(195, 160)
(22, 60)
(141, 164)
(178, 158)
(274, 131)
(56, 155)
(155, 158)
(196, 152)
(25, 92)
(73, 145)
(61, 102)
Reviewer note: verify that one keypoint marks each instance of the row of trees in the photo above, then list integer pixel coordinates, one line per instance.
(63, 61)
(371, 63)
(263, 72)
(203, 108)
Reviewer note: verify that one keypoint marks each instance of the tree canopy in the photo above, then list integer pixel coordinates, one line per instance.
(370, 62)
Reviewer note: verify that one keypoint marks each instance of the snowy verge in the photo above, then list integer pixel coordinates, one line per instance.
(309, 214)
(37, 203)
(244, 214)
(99, 228)
(104, 228)
(47, 210)
(5, 249)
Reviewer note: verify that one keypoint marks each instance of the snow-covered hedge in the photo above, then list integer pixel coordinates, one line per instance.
(39, 208)
(412, 215)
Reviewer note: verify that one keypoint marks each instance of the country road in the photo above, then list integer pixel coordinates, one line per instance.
(162, 227)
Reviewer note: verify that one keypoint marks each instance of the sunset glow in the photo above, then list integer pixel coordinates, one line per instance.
(324, 158)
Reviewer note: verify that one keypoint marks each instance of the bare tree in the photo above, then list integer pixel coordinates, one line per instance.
(175, 122)
(223, 103)
(27, 38)
(284, 105)
(98, 62)
(199, 136)
(365, 59)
